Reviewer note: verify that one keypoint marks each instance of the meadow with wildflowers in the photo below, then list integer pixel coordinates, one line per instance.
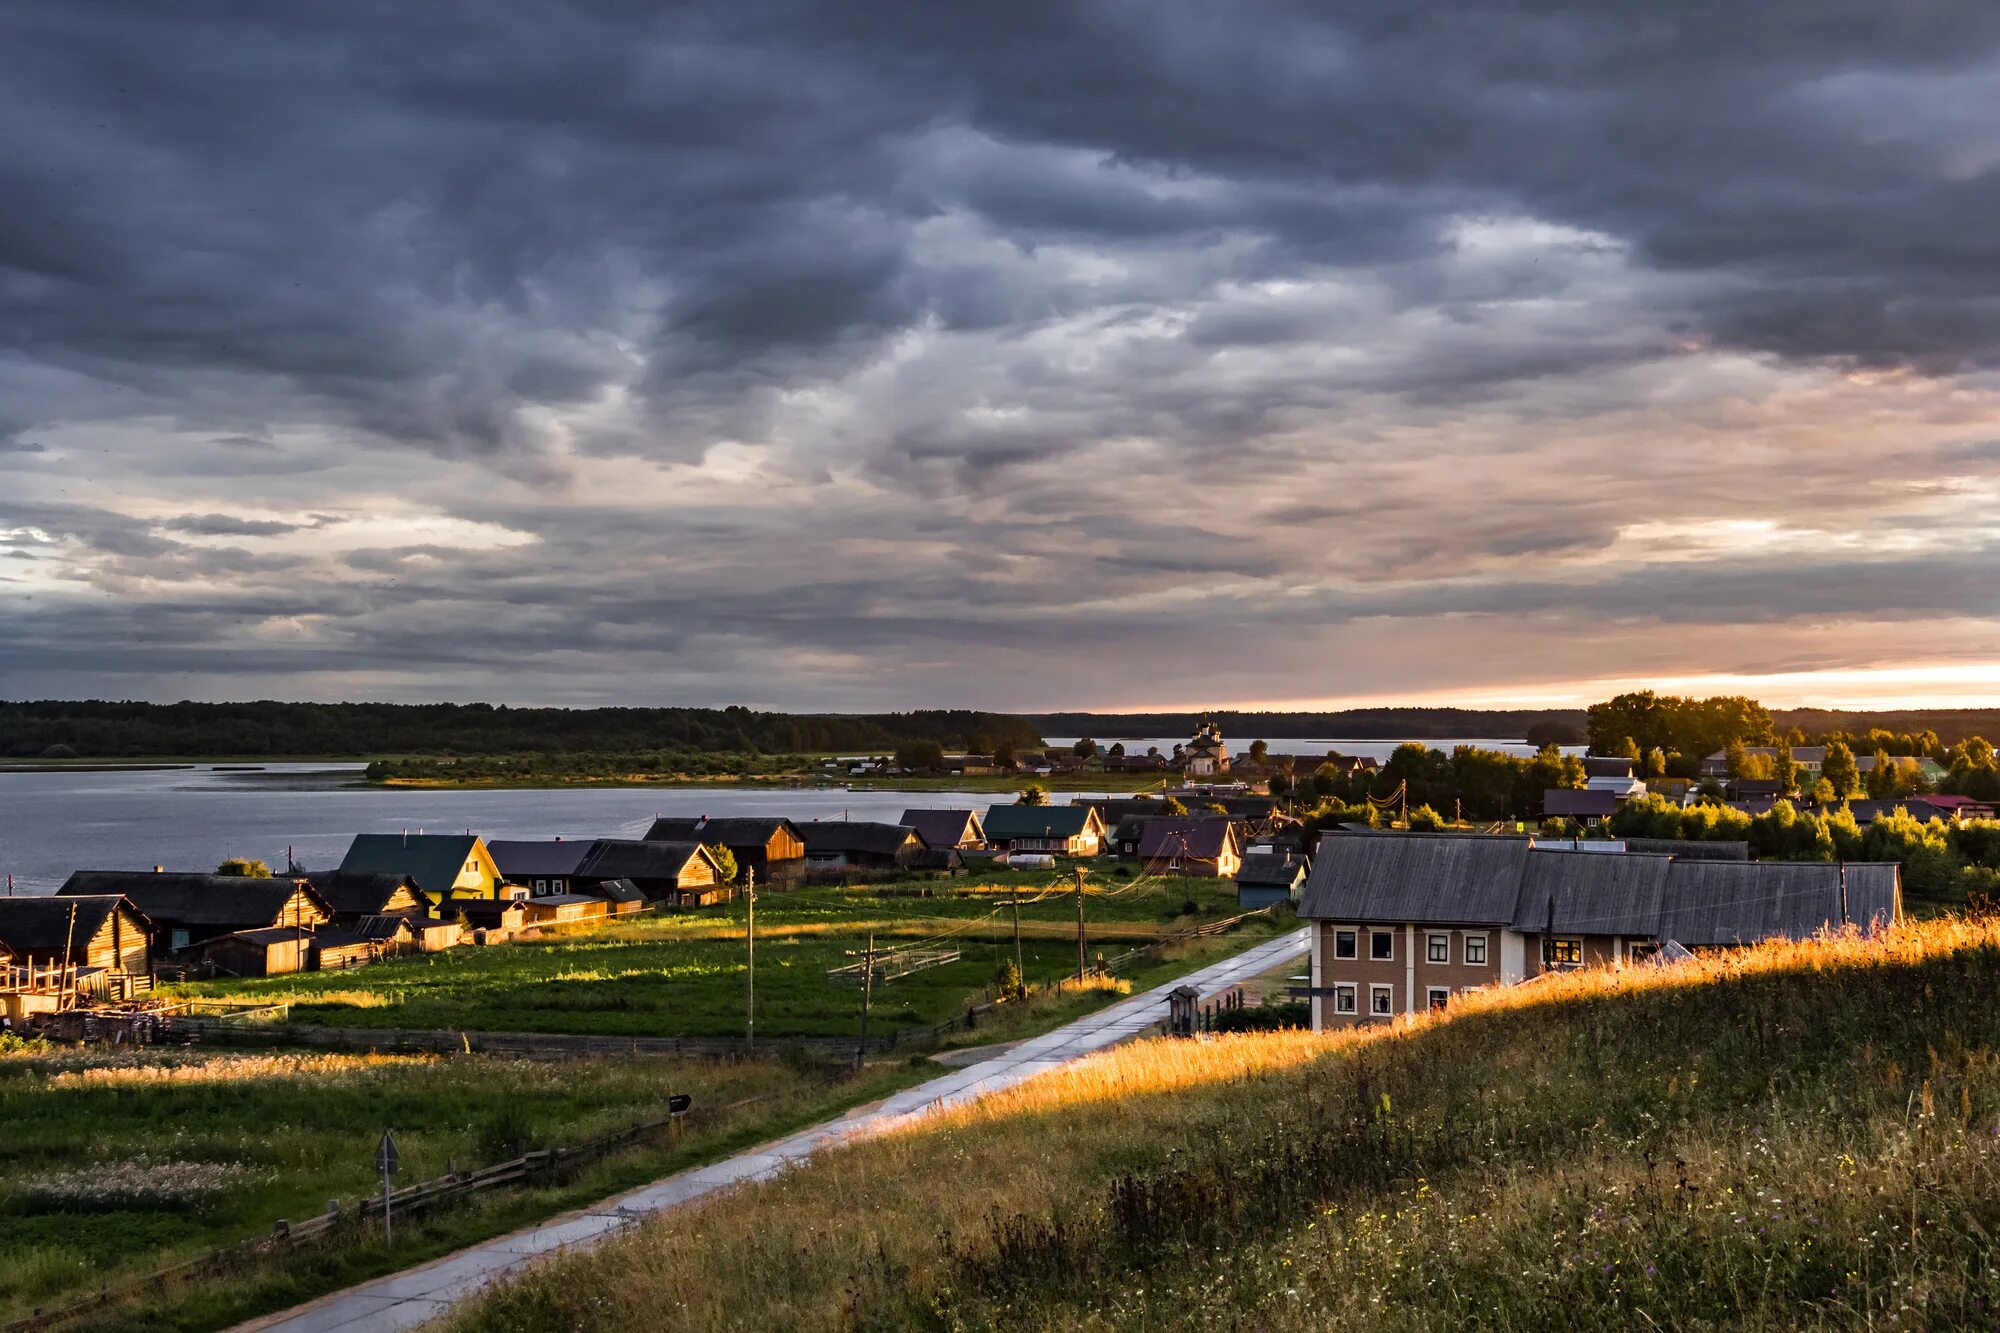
(1797, 1135)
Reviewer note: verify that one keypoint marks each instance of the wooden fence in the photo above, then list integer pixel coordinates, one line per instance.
(348, 1223)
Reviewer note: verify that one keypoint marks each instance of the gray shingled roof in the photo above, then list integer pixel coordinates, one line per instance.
(519, 859)
(1582, 894)
(830, 836)
(1437, 880)
(944, 828)
(729, 831)
(1578, 803)
(1279, 869)
(40, 924)
(362, 892)
(191, 899)
(618, 858)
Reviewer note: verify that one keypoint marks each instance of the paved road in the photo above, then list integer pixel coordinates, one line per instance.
(405, 1300)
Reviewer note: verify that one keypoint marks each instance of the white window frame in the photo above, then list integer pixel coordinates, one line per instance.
(1353, 944)
(1480, 938)
(1437, 997)
(1344, 990)
(1432, 941)
(1388, 935)
(1377, 991)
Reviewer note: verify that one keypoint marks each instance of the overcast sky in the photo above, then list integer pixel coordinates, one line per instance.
(881, 355)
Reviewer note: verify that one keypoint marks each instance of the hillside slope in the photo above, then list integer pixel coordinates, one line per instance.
(1800, 1136)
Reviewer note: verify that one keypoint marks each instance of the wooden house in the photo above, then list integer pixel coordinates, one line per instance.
(1269, 877)
(1203, 845)
(352, 894)
(860, 844)
(339, 948)
(771, 845)
(274, 951)
(559, 909)
(437, 936)
(498, 917)
(682, 873)
(1055, 830)
(545, 866)
(94, 932)
(186, 909)
(941, 829)
(449, 867)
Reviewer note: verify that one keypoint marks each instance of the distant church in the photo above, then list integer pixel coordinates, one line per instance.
(1205, 755)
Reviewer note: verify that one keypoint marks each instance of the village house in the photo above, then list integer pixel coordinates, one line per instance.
(1579, 805)
(1401, 922)
(338, 948)
(545, 866)
(1266, 878)
(272, 951)
(771, 845)
(860, 844)
(103, 936)
(1205, 846)
(683, 874)
(1050, 830)
(941, 829)
(352, 895)
(446, 866)
(188, 909)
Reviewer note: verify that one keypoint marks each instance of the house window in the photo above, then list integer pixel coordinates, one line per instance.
(1439, 997)
(1437, 949)
(1343, 944)
(1343, 998)
(1475, 950)
(1382, 945)
(541, 886)
(1381, 999)
(1563, 952)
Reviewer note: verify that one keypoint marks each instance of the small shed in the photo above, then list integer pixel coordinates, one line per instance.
(337, 949)
(557, 909)
(273, 951)
(621, 896)
(436, 936)
(497, 917)
(1269, 877)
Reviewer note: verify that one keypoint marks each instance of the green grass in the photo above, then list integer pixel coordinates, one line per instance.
(1799, 1136)
(683, 974)
(116, 1165)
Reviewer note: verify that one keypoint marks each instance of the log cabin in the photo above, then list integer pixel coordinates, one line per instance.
(186, 909)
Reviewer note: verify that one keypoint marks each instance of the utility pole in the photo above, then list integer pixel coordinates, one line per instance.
(750, 960)
(1844, 918)
(1079, 925)
(1019, 974)
(867, 994)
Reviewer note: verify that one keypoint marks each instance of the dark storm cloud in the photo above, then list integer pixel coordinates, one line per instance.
(1020, 305)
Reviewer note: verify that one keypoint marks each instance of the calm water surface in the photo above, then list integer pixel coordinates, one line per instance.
(53, 822)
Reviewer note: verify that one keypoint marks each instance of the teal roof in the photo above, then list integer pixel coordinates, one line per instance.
(433, 860)
(1035, 821)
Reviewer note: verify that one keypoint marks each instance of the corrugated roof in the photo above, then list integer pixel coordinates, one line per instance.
(1004, 822)
(1591, 895)
(1731, 902)
(524, 860)
(1439, 880)
(433, 860)
(195, 900)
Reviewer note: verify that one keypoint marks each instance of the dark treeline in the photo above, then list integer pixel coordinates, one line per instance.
(1346, 724)
(60, 729)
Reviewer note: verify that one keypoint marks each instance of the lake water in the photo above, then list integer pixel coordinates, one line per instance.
(55, 822)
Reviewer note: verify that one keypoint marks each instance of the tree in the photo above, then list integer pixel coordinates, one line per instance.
(1084, 748)
(920, 756)
(1217, 808)
(1034, 794)
(1839, 770)
(1426, 819)
(1117, 750)
(1786, 770)
(1174, 806)
(725, 862)
(243, 868)
(1736, 759)
(1003, 754)
(1654, 764)
(1007, 981)
(1259, 752)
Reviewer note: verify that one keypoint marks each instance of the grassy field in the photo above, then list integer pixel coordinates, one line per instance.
(114, 1165)
(1799, 1136)
(682, 974)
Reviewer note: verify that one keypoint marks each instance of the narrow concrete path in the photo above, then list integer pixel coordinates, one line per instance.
(405, 1300)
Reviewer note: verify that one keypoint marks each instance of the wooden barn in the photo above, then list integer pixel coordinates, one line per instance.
(354, 894)
(561, 909)
(860, 843)
(340, 948)
(274, 951)
(102, 931)
(682, 873)
(188, 909)
(769, 844)
(498, 919)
